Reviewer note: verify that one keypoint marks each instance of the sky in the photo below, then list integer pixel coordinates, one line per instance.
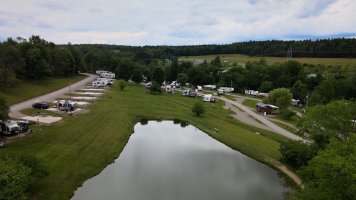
(176, 22)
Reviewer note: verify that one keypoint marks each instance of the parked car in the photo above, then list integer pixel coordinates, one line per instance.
(40, 105)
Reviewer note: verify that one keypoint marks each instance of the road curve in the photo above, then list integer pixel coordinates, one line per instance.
(16, 108)
(271, 125)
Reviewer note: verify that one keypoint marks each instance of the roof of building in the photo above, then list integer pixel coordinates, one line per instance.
(263, 105)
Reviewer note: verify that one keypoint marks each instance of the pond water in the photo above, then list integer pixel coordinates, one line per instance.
(163, 160)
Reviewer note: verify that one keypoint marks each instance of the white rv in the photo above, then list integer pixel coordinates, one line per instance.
(227, 89)
(9, 127)
(199, 88)
(107, 75)
(208, 98)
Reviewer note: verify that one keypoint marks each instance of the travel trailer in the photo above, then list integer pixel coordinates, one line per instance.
(107, 75)
(199, 88)
(208, 98)
(9, 127)
(227, 89)
(189, 93)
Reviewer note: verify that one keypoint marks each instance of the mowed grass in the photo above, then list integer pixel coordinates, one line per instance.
(79, 147)
(250, 103)
(24, 90)
(242, 59)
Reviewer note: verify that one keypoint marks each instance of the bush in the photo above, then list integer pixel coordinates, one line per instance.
(155, 87)
(198, 108)
(297, 153)
(122, 84)
(286, 114)
(18, 173)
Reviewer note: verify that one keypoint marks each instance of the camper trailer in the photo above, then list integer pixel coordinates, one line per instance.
(107, 75)
(66, 105)
(9, 127)
(221, 91)
(170, 89)
(227, 89)
(189, 93)
(208, 98)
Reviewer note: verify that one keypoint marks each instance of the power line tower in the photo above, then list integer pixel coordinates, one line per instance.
(290, 53)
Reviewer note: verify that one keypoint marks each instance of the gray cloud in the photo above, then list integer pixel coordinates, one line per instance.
(153, 22)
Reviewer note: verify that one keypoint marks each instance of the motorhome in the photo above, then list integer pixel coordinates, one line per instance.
(107, 75)
(189, 93)
(208, 98)
(199, 88)
(9, 127)
(99, 72)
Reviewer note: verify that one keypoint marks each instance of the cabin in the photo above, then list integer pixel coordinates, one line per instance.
(266, 109)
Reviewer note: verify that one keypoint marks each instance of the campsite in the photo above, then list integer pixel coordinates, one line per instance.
(160, 100)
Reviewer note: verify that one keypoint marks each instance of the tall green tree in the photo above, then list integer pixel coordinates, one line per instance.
(4, 109)
(136, 76)
(332, 173)
(182, 78)
(158, 75)
(10, 63)
(299, 90)
(334, 120)
(280, 97)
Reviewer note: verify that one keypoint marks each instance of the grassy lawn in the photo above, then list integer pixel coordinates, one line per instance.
(24, 90)
(250, 103)
(242, 59)
(79, 147)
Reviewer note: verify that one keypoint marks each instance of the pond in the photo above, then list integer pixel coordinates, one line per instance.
(163, 160)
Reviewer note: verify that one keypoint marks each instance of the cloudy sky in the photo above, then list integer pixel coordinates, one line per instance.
(176, 22)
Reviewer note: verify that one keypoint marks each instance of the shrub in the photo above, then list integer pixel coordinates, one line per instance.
(122, 84)
(286, 114)
(155, 87)
(198, 108)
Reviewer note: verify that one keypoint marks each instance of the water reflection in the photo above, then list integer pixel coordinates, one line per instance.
(164, 161)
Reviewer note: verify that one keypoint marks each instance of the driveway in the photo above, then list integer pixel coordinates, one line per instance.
(266, 122)
(50, 97)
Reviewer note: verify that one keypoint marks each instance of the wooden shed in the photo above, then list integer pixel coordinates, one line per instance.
(266, 109)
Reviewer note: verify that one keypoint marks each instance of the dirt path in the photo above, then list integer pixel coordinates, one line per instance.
(286, 171)
(16, 108)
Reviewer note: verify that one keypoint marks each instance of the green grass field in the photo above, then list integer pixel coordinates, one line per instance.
(79, 147)
(250, 103)
(242, 59)
(24, 90)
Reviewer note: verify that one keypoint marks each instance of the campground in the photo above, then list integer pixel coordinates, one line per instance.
(91, 141)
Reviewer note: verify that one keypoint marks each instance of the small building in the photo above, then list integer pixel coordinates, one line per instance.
(266, 109)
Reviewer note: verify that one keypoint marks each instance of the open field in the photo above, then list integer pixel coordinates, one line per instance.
(24, 90)
(242, 59)
(79, 147)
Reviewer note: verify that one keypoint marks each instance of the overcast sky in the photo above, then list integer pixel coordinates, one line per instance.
(176, 22)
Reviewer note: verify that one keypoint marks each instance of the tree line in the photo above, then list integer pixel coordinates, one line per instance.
(324, 48)
(36, 59)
